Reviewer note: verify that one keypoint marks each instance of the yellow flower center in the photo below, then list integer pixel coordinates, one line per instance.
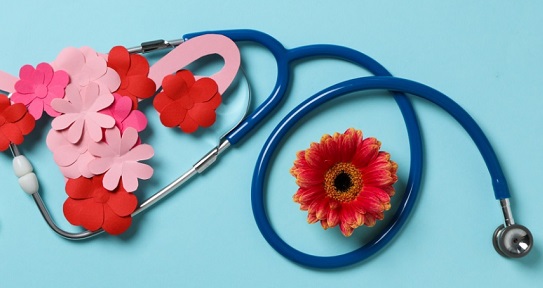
(343, 182)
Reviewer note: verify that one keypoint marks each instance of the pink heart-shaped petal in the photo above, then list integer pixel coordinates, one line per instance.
(112, 176)
(70, 60)
(47, 71)
(136, 120)
(26, 72)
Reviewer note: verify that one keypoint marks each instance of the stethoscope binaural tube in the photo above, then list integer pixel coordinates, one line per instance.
(510, 240)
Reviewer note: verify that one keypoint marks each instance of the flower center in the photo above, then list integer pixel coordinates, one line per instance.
(101, 195)
(343, 182)
(41, 91)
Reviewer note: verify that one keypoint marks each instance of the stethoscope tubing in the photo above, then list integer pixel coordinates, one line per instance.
(284, 58)
(401, 215)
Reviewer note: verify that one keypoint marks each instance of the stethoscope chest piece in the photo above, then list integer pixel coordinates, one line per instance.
(513, 241)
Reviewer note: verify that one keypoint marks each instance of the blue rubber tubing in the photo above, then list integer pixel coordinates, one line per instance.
(284, 58)
(400, 217)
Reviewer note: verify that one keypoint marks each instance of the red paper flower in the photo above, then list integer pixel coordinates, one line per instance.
(344, 180)
(187, 103)
(92, 206)
(133, 70)
(15, 122)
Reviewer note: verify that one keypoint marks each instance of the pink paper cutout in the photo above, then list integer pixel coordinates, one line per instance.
(38, 87)
(7, 82)
(118, 158)
(121, 111)
(85, 66)
(72, 159)
(196, 48)
(80, 112)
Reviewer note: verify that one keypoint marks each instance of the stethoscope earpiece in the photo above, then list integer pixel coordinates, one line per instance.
(513, 241)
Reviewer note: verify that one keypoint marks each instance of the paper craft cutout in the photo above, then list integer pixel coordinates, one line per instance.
(85, 66)
(133, 70)
(7, 82)
(195, 49)
(15, 122)
(80, 112)
(121, 111)
(72, 159)
(187, 103)
(119, 158)
(38, 87)
(93, 207)
(95, 139)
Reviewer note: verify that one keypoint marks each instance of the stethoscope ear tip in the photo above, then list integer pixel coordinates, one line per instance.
(512, 241)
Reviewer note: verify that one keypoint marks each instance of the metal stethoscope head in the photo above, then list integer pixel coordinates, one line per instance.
(511, 240)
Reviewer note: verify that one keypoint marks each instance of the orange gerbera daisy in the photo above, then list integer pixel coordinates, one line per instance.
(344, 180)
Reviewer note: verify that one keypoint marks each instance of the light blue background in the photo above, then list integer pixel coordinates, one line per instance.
(486, 55)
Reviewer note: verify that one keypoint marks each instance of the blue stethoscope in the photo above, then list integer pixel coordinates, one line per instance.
(510, 239)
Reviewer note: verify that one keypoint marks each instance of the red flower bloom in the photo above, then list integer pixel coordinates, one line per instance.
(187, 103)
(92, 206)
(344, 180)
(15, 122)
(133, 70)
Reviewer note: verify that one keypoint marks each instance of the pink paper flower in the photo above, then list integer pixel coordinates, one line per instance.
(80, 113)
(118, 158)
(72, 159)
(38, 87)
(124, 116)
(85, 66)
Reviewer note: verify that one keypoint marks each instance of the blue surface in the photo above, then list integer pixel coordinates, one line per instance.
(485, 57)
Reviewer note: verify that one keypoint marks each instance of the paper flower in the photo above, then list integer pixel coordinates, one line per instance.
(81, 113)
(15, 122)
(344, 180)
(38, 87)
(72, 159)
(85, 66)
(118, 158)
(92, 206)
(124, 116)
(133, 70)
(187, 103)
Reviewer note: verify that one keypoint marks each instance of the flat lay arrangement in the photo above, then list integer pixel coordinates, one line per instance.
(344, 179)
